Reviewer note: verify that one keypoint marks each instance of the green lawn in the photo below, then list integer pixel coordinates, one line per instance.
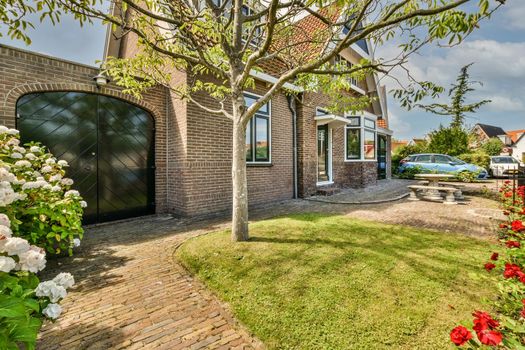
(313, 281)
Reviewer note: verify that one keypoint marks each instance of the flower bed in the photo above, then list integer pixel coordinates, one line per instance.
(38, 212)
(506, 330)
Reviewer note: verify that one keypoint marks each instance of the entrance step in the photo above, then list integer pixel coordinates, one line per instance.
(328, 191)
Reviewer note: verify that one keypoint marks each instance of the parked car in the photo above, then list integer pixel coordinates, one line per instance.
(504, 166)
(442, 163)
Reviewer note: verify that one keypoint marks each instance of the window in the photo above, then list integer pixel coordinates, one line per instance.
(360, 138)
(426, 158)
(258, 133)
(345, 65)
(441, 159)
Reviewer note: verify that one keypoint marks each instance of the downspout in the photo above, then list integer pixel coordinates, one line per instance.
(293, 109)
(166, 125)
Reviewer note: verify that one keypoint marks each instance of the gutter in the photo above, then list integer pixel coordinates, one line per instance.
(293, 108)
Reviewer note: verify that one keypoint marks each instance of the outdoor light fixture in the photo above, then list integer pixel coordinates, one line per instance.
(101, 80)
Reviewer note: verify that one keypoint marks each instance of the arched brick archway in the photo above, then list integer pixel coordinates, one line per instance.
(15, 93)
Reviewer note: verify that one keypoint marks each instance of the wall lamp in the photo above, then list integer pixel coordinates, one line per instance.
(101, 80)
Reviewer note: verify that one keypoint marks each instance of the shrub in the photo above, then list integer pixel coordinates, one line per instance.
(24, 301)
(492, 147)
(405, 151)
(409, 173)
(506, 329)
(479, 158)
(467, 176)
(451, 140)
(36, 196)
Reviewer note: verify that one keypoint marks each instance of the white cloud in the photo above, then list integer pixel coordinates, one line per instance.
(505, 104)
(399, 125)
(514, 12)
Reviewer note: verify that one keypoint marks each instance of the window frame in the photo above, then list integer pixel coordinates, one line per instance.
(252, 131)
(362, 131)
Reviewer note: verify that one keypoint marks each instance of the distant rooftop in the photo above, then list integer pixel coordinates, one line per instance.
(491, 130)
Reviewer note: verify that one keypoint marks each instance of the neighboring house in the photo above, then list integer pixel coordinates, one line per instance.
(515, 134)
(485, 132)
(396, 144)
(518, 148)
(159, 154)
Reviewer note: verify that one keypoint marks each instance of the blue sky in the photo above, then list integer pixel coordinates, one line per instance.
(497, 49)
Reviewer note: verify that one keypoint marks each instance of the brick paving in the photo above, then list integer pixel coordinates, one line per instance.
(132, 294)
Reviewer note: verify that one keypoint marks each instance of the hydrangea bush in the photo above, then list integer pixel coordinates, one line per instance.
(24, 301)
(506, 329)
(37, 197)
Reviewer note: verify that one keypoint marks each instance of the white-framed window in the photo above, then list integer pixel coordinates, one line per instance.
(360, 139)
(346, 65)
(258, 133)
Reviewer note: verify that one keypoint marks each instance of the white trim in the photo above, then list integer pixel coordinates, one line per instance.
(360, 51)
(357, 89)
(270, 79)
(269, 161)
(330, 119)
(361, 128)
(385, 131)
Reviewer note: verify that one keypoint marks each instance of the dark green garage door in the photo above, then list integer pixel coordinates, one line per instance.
(107, 142)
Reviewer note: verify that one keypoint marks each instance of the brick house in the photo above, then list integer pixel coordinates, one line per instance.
(159, 154)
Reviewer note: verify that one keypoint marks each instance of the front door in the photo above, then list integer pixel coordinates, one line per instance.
(323, 157)
(107, 142)
(381, 157)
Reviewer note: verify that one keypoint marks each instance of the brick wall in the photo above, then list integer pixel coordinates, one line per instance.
(23, 72)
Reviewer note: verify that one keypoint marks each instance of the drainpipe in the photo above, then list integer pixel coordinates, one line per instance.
(293, 108)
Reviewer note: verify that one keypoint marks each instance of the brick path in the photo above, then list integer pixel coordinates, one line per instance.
(131, 294)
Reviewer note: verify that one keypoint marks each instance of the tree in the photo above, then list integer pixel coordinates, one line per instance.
(220, 44)
(451, 140)
(457, 107)
(492, 146)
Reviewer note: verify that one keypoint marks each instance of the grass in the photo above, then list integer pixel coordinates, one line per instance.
(314, 281)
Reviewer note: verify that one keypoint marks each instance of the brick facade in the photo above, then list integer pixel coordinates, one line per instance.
(193, 148)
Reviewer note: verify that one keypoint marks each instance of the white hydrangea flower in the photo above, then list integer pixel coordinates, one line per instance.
(5, 231)
(19, 149)
(63, 163)
(76, 242)
(12, 132)
(19, 182)
(56, 177)
(56, 188)
(3, 129)
(50, 161)
(33, 260)
(34, 184)
(23, 164)
(64, 279)
(83, 204)
(7, 264)
(16, 155)
(50, 290)
(46, 169)
(4, 221)
(8, 195)
(16, 246)
(71, 193)
(52, 311)
(13, 142)
(30, 156)
(6, 175)
(67, 181)
(35, 149)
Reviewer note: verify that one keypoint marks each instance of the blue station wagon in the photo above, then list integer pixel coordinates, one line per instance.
(441, 163)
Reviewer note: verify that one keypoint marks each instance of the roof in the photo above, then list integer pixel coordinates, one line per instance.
(491, 130)
(515, 134)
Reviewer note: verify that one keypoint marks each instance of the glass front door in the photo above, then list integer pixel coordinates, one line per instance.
(381, 157)
(323, 165)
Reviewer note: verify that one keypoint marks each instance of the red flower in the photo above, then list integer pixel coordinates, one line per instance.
(489, 266)
(503, 226)
(460, 335)
(508, 194)
(492, 338)
(513, 244)
(494, 256)
(512, 270)
(506, 182)
(483, 321)
(517, 226)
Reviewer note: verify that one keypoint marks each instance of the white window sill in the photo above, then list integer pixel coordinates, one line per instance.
(325, 183)
(359, 160)
(357, 89)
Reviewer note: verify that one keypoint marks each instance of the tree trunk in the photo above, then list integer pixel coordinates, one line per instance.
(239, 180)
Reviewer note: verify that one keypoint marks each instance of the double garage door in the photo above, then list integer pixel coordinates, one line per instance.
(108, 143)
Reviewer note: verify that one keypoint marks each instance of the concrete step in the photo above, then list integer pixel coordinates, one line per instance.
(328, 191)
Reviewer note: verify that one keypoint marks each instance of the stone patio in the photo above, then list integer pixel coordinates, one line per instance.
(132, 294)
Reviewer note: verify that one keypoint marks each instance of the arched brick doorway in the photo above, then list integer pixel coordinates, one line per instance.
(108, 142)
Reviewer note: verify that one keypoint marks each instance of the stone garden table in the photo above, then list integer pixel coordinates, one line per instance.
(433, 181)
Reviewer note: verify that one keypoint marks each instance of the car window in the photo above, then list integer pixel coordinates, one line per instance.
(457, 160)
(426, 158)
(441, 159)
(504, 160)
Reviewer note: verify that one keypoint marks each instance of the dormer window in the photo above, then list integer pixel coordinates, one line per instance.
(345, 65)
